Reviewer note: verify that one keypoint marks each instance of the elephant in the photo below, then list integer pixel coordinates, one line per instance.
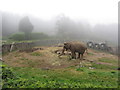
(75, 47)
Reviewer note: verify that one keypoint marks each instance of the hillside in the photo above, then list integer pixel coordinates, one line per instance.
(46, 58)
(98, 69)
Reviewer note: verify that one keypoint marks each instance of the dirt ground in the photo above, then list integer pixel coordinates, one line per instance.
(47, 59)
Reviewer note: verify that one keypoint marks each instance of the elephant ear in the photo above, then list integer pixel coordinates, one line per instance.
(65, 43)
(69, 45)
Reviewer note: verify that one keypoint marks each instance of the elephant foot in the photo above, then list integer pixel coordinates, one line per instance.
(78, 58)
(73, 58)
(70, 58)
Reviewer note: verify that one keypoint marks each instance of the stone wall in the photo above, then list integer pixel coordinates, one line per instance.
(26, 46)
(16, 46)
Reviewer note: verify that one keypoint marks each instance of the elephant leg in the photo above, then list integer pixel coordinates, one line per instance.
(73, 55)
(81, 56)
(78, 55)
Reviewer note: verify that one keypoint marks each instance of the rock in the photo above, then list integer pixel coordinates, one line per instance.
(46, 68)
(118, 68)
(91, 68)
(1, 59)
(79, 66)
(91, 61)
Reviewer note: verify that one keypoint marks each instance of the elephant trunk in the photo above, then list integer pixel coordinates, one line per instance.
(62, 52)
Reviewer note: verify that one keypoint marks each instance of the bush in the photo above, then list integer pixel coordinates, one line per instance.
(33, 78)
(18, 36)
(33, 36)
(7, 73)
(37, 36)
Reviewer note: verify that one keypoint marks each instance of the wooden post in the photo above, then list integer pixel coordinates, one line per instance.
(11, 48)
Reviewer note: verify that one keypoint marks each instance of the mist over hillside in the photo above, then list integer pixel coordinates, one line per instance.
(63, 27)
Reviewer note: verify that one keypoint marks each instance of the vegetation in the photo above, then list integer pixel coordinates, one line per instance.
(43, 69)
(36, 54)
(26, 27)
(18, 36)
(108, 60)
(103, 66)
(33, 36)
(90, 54)
(61, 78)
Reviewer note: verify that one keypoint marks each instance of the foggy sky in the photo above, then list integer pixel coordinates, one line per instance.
(91, 19)
(94, 11)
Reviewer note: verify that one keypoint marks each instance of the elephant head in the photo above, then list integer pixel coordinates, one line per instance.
(67, 45)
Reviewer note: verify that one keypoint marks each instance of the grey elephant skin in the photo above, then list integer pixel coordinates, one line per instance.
(75, 47)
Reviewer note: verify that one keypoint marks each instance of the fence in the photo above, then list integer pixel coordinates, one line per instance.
(103, 47)
(26, 46)
(16, 46)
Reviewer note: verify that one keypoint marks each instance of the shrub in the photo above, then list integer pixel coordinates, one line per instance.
(18, 36)
(33, 36)
(7, 73)
(37, 36)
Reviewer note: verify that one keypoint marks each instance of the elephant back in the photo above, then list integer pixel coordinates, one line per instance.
(78, 46)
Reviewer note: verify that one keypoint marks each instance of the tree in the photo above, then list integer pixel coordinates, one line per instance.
(65, 26)
(26, 27)
(70, 29)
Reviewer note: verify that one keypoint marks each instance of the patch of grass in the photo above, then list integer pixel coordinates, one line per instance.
(36, 54)
(108, 60)
(90, 54)
(62, 78)
(32, 63)
(84, 69)
(1, 62)
(104, 66)
(17, 55)
(28, 62)
(23, 58)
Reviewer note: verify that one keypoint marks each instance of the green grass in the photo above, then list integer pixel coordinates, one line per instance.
(104, 66)
(90, 53)
(28, 62)
(36, 54)
(108, 60)
(23, 59)
(63, 78)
